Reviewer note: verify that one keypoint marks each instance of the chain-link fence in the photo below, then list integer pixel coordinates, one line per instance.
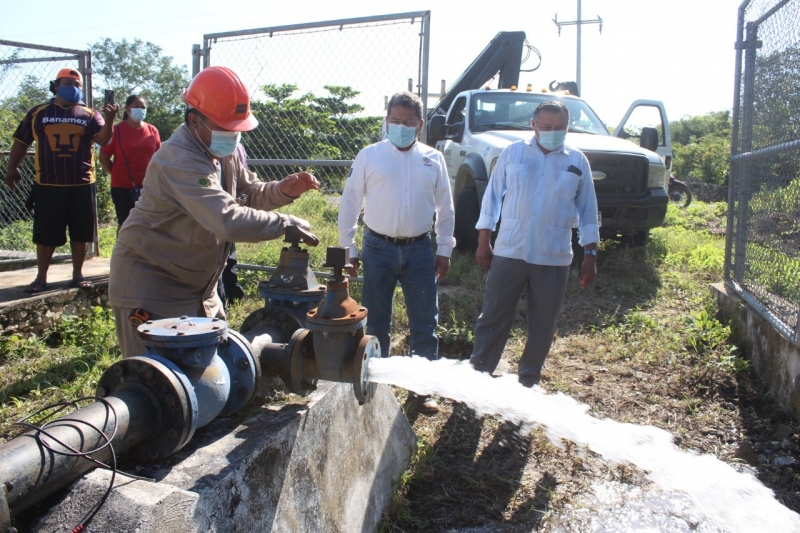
(25, 74)
(319, 90)
(762, 259)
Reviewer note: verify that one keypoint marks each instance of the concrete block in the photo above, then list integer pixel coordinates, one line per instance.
(775, 358)
(328, 465)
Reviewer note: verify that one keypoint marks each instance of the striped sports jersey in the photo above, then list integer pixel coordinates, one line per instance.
(64, 138)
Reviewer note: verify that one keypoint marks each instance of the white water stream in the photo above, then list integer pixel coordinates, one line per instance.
(733, 501)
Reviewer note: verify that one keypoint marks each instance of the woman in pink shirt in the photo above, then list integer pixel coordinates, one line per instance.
(127, 155)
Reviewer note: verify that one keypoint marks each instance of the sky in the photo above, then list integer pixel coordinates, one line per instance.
(678, 51)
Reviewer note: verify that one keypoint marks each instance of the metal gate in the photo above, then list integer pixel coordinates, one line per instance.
(25, 74)
(762, 256)
(320, 89)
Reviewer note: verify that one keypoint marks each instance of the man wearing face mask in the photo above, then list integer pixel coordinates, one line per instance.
(63, 190)
(541, 187)
(197, 199)
(404, 183)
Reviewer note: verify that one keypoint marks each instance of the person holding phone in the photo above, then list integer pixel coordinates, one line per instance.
(126, 157)
(63, 132)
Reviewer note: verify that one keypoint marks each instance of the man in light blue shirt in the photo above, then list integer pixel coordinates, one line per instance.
(542, 187)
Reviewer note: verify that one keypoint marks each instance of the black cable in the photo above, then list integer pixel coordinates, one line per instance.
(530, 48)
(42, 430)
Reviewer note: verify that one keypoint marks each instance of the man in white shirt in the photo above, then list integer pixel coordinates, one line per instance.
(404, 183)
(547, 187)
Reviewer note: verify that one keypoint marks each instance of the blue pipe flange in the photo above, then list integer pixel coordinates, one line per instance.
(170, 392)
(368, 348)
(286, 319)
(245, 371)
(190, 341)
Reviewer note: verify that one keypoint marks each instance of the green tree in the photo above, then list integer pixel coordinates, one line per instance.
(701, 147)
(139, 67)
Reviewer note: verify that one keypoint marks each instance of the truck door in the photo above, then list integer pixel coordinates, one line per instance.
(647, 113)
(454, 149)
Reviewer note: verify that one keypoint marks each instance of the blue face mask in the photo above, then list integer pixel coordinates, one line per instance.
(73, 95)
(223, 143)
(138, 114)
(550, 140)
(401, 136)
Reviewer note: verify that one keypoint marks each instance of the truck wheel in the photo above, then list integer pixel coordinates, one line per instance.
(467, 213)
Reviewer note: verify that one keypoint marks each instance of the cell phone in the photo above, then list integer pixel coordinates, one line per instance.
(109, 97)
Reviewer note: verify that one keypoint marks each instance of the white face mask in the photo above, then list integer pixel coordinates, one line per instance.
(138, 114)
(550, 140)
(223, 143)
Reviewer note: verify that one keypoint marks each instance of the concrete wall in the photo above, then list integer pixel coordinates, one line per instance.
(41, 313)
(775, 358)
(329, 466)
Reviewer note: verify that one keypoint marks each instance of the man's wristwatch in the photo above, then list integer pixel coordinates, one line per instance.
(593, 252)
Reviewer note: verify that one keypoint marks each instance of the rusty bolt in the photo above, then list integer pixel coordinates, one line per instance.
(352, 315)
(101, 391)
(118, 370)
(172, 434)
(244, 364)
(362, 309)
(215, 319)
(149, 322)
(181, 333)
(174, 327)
(184, 317)
(170, 400)
(243, 393)
(9, 486)
(145, 331)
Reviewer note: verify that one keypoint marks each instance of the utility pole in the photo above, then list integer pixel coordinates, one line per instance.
(578, 22)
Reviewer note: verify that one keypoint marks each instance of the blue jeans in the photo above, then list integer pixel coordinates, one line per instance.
(414, 266)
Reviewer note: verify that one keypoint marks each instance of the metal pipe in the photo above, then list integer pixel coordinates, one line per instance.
(37, 59)
(36, 472)
(295, 162)
(262, 268)
(17, 44)
(310, 25)
(426, 47)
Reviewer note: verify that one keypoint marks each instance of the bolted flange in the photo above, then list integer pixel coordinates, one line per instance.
(190, 341)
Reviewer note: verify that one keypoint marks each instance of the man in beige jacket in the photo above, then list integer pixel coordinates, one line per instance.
(197, 200)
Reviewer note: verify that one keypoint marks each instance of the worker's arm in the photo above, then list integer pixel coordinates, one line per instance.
(17, 154)
(109, 114)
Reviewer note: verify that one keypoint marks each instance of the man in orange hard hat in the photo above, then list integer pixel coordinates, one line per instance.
(63, 192)
(197, 199)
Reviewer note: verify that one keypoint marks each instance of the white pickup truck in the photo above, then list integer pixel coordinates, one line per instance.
(630, 179)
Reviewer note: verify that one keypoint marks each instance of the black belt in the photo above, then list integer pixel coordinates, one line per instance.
(400, 240)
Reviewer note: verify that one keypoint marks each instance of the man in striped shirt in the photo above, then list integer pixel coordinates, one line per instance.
(63, 130)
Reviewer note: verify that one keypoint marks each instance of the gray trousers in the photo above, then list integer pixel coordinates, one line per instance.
(546, 286)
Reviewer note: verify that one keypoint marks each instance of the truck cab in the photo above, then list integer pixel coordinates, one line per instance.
(630, 169)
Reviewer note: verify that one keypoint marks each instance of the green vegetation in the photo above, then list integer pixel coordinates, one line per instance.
(702, 147)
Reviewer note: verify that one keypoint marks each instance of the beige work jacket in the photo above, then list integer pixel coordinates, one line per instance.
(172, 248)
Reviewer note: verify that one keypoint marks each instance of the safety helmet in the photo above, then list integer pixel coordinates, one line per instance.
(219, 94)
(69, 73)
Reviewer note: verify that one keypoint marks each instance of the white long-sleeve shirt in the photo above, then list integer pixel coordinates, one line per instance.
(543, 200)
(403, 190)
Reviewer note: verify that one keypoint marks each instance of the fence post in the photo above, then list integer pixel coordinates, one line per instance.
(426, 44)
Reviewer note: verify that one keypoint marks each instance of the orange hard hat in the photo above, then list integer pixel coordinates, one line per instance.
(219, 94)
(69, 73)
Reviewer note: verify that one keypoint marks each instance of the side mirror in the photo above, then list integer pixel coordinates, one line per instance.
(649, 139)
(455, 132)
(436, 128)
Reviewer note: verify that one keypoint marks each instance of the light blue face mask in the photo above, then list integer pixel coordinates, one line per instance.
(138, 114)
(223, 143)
(402, 136)
(550, 140)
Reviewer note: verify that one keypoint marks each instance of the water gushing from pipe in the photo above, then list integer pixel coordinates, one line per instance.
(735, 501)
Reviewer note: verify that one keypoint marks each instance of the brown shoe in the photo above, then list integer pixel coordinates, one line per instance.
(428, 405)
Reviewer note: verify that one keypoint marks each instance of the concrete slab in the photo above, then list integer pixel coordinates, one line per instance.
(13, 283)
(326, 466)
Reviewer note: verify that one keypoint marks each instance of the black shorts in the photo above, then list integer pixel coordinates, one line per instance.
(123, 203)
(58, 208)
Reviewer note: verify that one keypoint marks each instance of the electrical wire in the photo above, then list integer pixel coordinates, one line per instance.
(530, 49)
(41, 430)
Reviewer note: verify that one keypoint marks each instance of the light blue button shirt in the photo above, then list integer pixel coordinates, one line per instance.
(541, 201)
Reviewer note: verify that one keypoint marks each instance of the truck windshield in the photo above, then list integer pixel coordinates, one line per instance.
(513, 111)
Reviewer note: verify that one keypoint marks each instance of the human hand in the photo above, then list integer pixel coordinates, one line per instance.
(353, 269)
(588, 271)
(442, 266)
(12, 178)
(296, 184)
(484, 255)
(110, 112)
